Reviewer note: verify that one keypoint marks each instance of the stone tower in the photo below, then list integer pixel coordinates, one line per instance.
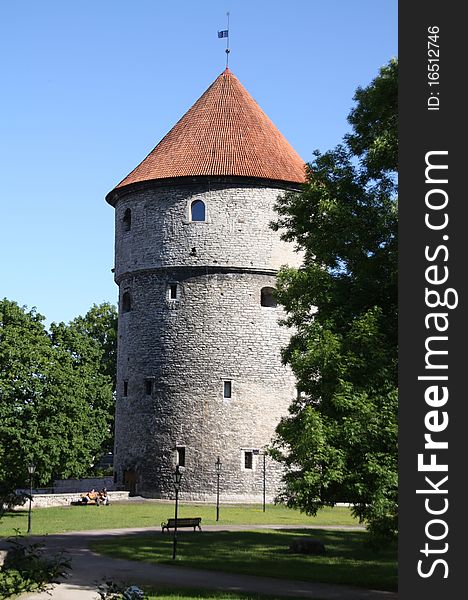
(199, 369)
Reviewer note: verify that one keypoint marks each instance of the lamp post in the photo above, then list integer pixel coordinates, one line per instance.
(177, 476)
(31, 471)
(258, 452)
(218, 473)
(264, 480)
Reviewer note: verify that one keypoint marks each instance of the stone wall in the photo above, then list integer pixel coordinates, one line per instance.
(176, 353)
(236, 231)
(216, 332)
(48, 500)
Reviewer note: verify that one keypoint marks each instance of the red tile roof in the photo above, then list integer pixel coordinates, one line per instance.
(224, 133)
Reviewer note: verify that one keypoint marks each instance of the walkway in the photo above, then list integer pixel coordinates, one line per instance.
(90, 569)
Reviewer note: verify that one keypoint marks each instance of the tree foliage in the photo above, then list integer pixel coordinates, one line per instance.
(92, 339)
(100, 324)
(56, 400)
(339, 442)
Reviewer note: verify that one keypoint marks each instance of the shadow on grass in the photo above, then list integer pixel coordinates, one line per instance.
(162, 593)
(348, 559)
(14, 514)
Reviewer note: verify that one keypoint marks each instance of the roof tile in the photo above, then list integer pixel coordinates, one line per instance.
(225, 133)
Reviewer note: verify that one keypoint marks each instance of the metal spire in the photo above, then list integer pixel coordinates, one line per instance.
(227, 42)
(225, 34)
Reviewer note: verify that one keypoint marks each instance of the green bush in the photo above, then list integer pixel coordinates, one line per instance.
(8, 500)
(27, 569)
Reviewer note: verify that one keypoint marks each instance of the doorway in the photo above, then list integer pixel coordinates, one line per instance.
(130, 481)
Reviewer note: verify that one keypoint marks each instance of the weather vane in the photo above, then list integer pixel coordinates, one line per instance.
(225, 34)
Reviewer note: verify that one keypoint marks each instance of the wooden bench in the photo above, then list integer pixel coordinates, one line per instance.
(193, 522)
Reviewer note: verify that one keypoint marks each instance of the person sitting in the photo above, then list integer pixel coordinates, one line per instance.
(88, 497)
(92, 495)
(103, 497)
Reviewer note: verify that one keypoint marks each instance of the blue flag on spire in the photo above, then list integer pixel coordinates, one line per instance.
(223, 34)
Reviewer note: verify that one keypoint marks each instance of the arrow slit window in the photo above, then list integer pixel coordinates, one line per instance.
(127, 220)
(267, 297)
(126, 302)
(248, 460)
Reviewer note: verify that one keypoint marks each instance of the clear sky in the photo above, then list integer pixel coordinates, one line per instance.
(90, 87)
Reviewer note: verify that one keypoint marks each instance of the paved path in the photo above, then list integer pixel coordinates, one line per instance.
(89, 569)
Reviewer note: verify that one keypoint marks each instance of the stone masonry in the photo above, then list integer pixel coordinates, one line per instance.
(176, 353)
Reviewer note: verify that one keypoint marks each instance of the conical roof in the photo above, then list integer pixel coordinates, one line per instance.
(225, 133)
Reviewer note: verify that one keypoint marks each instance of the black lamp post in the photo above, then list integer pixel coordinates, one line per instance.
(257, 452)
(218, 473)
(264, 480)
(31, 471)
(177, 476)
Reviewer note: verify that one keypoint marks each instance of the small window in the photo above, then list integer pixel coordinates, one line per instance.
(227, 393)
(173, 291)
(126, 302)
(125, 388)
(267, 297)
(127, 220)
(180, 456)
(148, 387)
(197, 211)
(248, 459)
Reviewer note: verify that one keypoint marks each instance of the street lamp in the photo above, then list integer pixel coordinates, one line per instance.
(264, 481)
(258, 452)
(177, 477)
(218, 473)
(31, 471)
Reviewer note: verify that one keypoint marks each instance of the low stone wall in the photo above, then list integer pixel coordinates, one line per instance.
(46, 500)
(211, 498)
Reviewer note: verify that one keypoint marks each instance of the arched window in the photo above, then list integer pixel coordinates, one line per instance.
(127, 220)
(267, 297)
(126, 302)
(197, 211)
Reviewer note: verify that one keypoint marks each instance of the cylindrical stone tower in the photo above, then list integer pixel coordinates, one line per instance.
(199, 368)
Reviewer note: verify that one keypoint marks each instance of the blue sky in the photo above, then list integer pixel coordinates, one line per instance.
(90, 87)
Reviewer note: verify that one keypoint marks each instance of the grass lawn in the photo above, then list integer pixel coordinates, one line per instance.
(164, 593)
(349, 559)
(150, 514)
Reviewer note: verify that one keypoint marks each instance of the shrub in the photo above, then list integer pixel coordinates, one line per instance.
(27, 569)
(9, 499)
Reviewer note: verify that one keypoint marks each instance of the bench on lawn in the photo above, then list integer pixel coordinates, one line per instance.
(192, 522)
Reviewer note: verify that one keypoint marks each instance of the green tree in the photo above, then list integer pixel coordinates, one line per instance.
(100, 324)
(94, 338)
(91, 341)
(339, 441)
(54, 401)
